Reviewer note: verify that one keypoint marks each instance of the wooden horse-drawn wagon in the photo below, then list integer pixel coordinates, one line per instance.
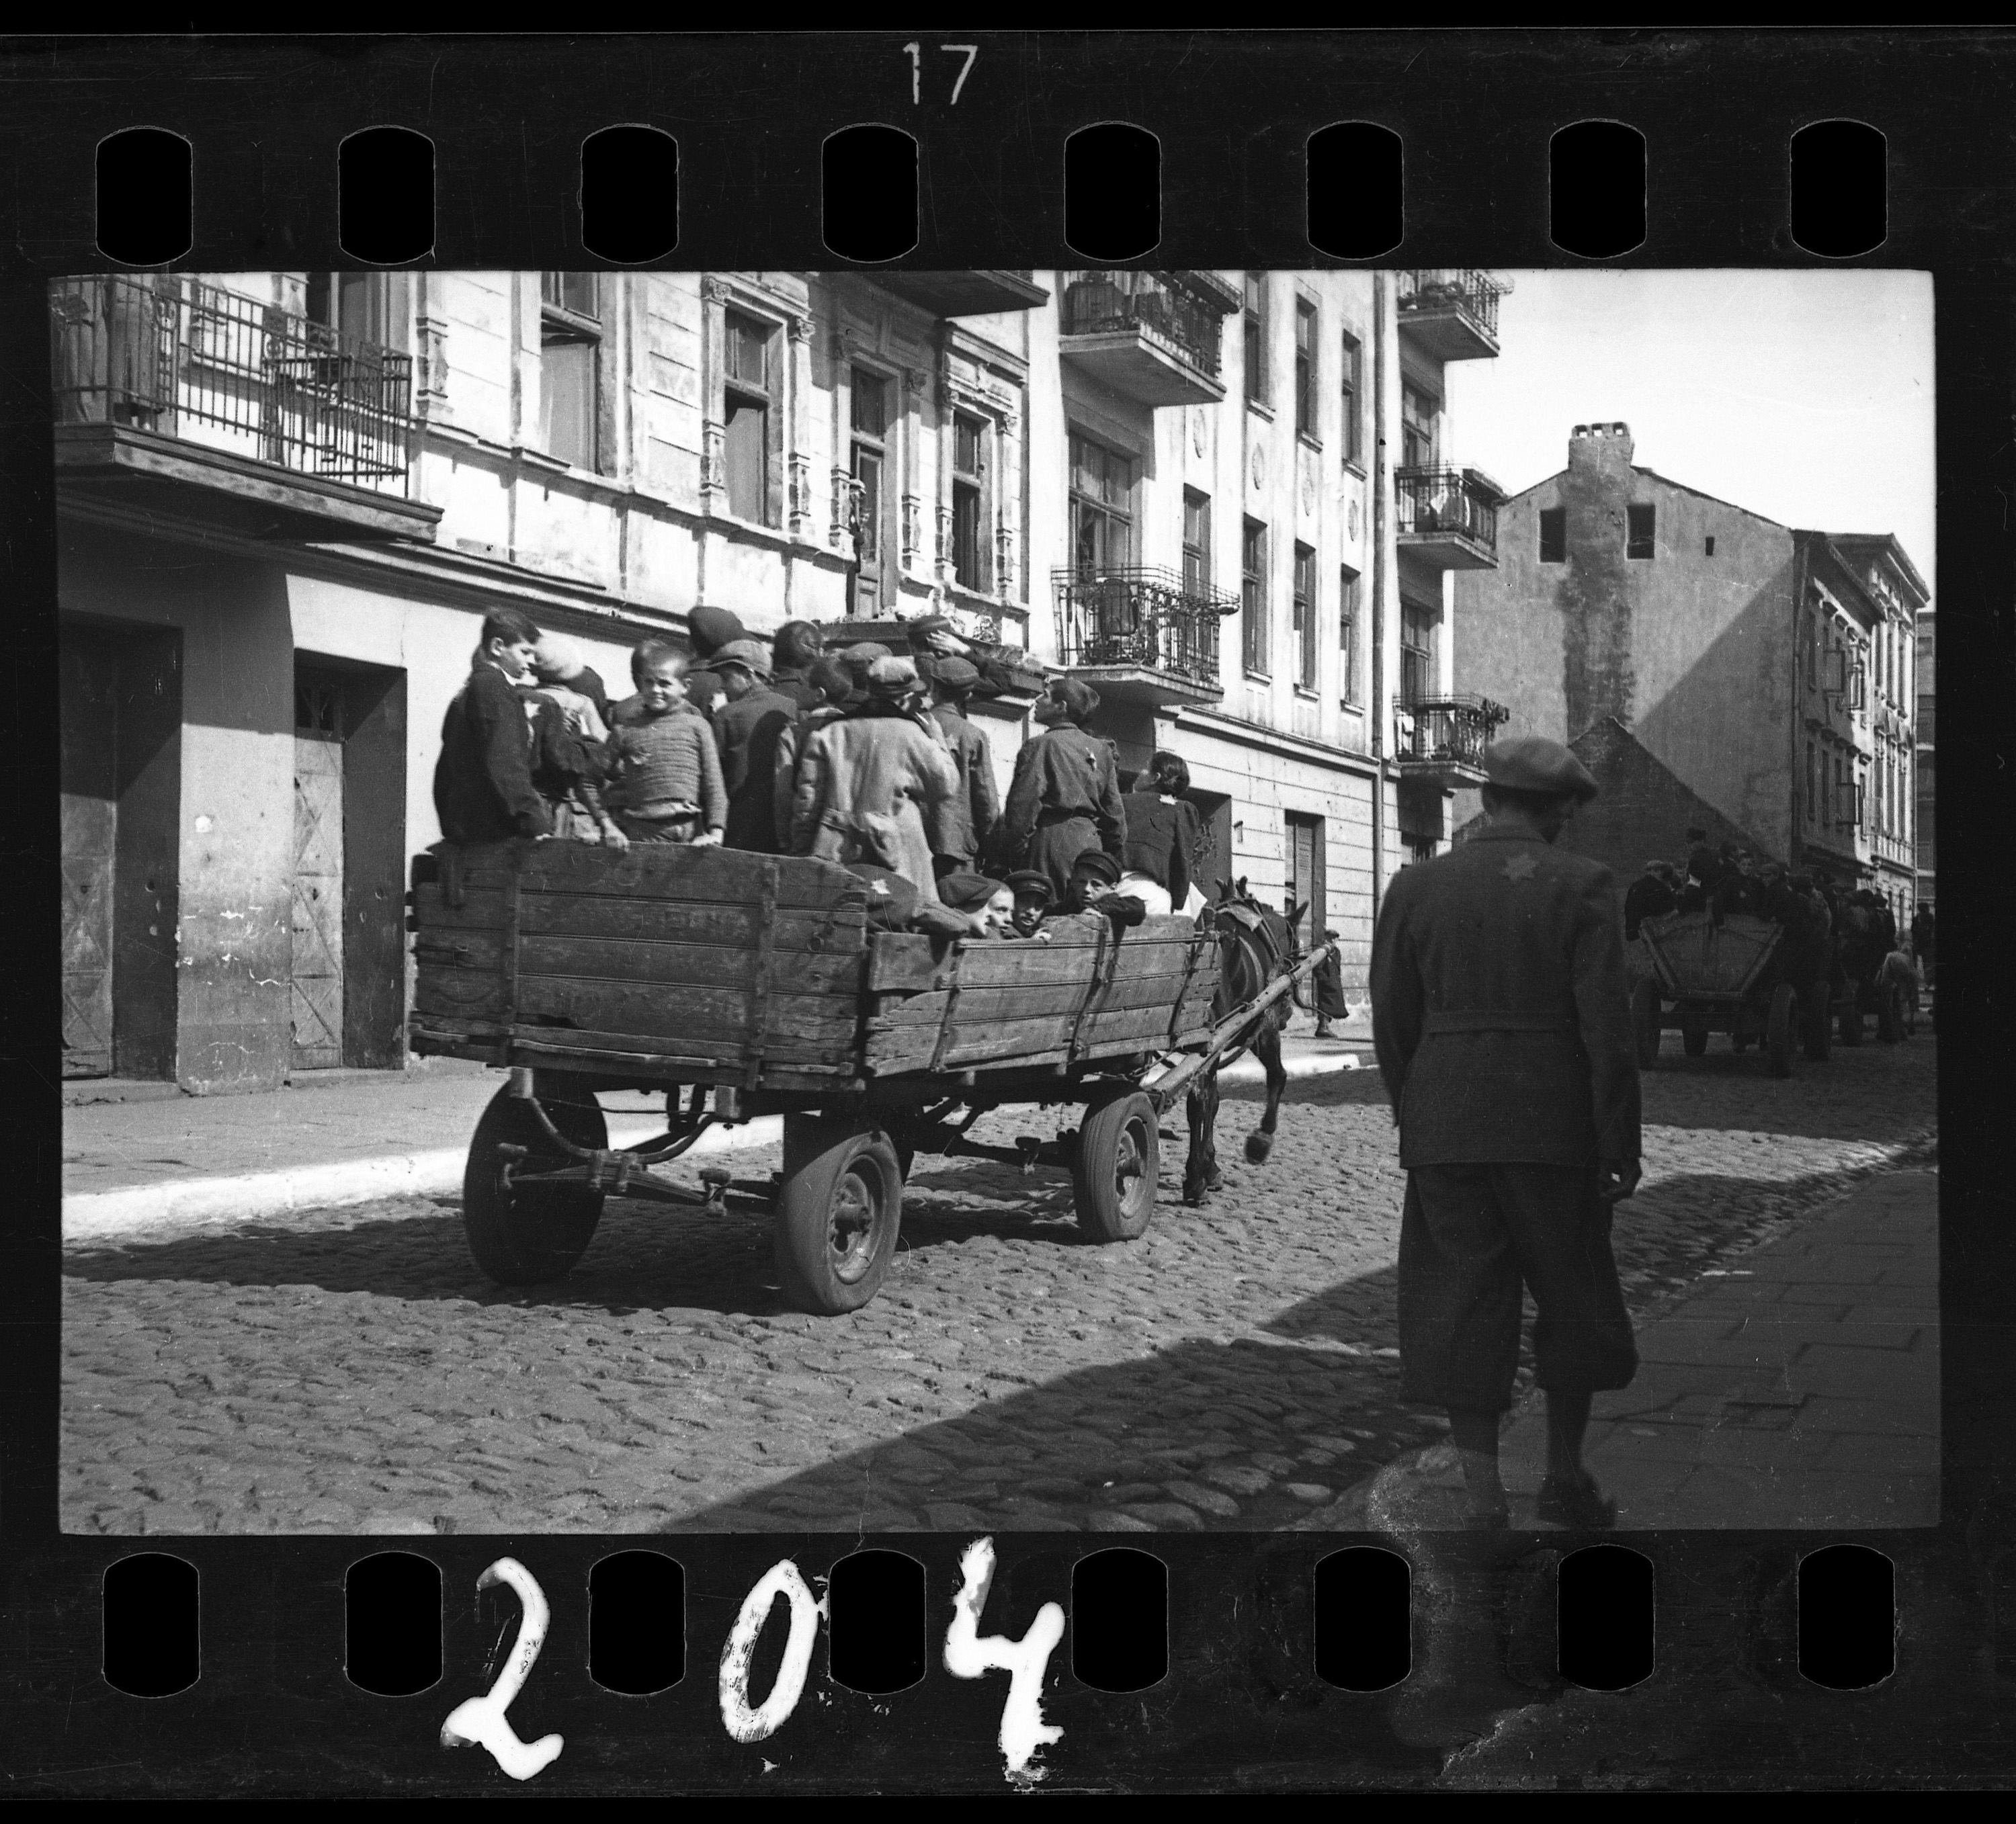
(745, 985)
(1716, 976)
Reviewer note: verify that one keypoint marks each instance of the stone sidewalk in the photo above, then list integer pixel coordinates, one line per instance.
(351, 1136)
(1797, 1387)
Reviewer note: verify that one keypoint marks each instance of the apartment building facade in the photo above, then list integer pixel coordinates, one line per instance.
(286, 499)
(1769, 672)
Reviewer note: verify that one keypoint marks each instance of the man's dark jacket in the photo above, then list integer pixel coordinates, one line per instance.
(747, 731)
(482, 781)
(1499, 1008)
(962, 825)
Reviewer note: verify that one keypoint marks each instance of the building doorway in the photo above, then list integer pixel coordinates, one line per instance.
(1305, 876)
(315, 1005)
(347, 987)
(119, 715)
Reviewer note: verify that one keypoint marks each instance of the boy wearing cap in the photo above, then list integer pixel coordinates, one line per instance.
(1501, 1019)
(960, 826)
(1065, 798)
(1033, 896)
(483, 790)
(1095, 886)
(747, 730)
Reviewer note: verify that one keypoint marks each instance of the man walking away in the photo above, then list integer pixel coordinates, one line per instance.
(1503, 1031)
(747, 731)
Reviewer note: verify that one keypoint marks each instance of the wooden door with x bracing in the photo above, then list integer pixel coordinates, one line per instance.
(317, 995)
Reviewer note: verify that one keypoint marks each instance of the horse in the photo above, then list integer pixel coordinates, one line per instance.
(1255, 947)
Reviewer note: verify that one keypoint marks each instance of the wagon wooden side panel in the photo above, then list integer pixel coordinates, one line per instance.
(703, 960)
(1024, 1001)
(1694, 955)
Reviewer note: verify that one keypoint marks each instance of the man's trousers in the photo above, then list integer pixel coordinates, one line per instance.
(1469, 1237)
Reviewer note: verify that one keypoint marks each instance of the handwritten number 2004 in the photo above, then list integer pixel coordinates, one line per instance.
(917, 70)
(481, 1720)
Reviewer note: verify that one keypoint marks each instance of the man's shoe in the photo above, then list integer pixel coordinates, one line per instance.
(1576, 1502)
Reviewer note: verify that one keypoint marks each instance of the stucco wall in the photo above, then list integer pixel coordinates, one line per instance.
(1692, 652)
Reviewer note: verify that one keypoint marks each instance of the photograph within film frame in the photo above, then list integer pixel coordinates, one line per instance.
(1323, 533)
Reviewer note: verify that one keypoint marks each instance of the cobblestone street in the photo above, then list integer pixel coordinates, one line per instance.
(349, 1370)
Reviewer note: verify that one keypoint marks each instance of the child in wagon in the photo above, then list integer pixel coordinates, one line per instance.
(666, 783)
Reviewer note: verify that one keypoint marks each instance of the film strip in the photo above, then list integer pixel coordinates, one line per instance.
(958, 1653)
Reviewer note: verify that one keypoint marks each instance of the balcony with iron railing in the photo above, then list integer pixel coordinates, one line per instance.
(1451, 312)
(1153, 336)
(1442, 738)
(1141, 634)
(1447, 517)
(183, 397)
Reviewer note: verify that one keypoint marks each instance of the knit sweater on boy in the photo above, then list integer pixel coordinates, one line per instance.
(663, 762)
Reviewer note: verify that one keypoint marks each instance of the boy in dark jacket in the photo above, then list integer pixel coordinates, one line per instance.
(483, 782)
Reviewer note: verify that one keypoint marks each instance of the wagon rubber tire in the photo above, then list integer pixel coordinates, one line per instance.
(839, 1211)
(1693, 1033)
(529, 1235)
(1820, 1026)
(1115, 1168)
(1645, 1021)
(1781, 1030)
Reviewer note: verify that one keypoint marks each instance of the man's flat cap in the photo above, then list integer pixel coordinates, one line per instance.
(953, 674)
(1532, 763)
(967, 891)
(1098, 863)
(751, 655)
(1033, 880)
(892, 677)
(710, 629)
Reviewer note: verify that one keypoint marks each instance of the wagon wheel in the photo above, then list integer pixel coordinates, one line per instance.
(1118, 1161)
(526, 1233)
(1645, 1020)
(1890, 1013)
(1781, 1028)
(1819, 1027)
(1693, 1033)
(838, 1213)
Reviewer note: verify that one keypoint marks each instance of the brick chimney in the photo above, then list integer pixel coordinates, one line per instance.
(1600, 450)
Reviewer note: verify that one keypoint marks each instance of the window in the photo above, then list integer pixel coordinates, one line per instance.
(1810, 641)
(1255, 326)
(1419, 635)
(1347, 630)
(1101, 506)
(569, 360)
(869, 420)
(370, 306)
(1826, 794)
(746, 416)
(1305, 618)
(1638, 532)
(1420, 426)
(1348, 390)
(1197, 542)
(1707, 545)
(970, 552)
(1812, 784)
(1553, 535)
(1253, 597)
(1305, 369)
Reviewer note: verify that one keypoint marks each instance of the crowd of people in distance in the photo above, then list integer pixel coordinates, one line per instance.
(1818, 917)
(861, 755)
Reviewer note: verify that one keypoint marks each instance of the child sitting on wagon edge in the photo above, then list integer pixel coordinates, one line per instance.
(666, 785)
